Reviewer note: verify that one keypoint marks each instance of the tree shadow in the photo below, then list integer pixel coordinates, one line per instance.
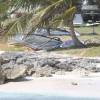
(92, 45)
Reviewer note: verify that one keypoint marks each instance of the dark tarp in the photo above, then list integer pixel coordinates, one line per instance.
(38, 42)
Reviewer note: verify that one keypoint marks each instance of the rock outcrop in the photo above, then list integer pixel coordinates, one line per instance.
(14, 65)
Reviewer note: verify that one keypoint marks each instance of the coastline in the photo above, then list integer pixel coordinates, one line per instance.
(60, 85)
(71, 84)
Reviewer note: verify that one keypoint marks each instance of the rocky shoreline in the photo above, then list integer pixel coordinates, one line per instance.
(14, 65)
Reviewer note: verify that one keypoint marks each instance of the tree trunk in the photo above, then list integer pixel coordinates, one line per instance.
(76, 41)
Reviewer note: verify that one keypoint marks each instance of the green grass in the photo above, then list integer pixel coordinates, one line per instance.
(84, 52)
(6, 47)
(87, 30)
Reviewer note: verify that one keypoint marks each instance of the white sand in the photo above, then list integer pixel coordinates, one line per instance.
(2, 52)
(58, 85)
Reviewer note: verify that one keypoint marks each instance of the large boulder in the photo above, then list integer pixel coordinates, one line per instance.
(45, 71)
(14, 71)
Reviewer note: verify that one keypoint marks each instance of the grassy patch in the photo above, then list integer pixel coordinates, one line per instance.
(6, 47)
(84, 52)
(87, 30)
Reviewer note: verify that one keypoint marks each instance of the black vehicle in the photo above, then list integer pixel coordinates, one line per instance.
(90, 10)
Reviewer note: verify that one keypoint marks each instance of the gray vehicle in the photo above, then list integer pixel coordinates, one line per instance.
(90, 10)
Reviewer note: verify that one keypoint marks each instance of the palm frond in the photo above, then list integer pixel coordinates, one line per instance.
(53, 15)
(3, 7)
(18, 25)
(55, 12)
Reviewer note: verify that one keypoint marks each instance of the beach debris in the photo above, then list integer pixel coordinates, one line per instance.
(68, 43)
(74, 83)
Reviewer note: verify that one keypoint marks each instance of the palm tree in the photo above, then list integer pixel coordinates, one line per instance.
(50, 13)
(3, 8)
(4, 5)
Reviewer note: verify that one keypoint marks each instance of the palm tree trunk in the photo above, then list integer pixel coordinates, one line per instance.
(76, 41)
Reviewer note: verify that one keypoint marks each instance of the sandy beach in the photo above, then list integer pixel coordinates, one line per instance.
(64, 85)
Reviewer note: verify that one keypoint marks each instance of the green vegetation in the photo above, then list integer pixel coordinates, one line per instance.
(84, 30)
(85, 52)
(91, 51)
(45, 13)
(48, 14)
(6, 47)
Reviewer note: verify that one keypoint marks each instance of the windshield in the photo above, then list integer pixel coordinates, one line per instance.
(89, 2)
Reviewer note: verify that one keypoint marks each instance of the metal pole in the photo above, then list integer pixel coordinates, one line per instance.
(93, 24)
